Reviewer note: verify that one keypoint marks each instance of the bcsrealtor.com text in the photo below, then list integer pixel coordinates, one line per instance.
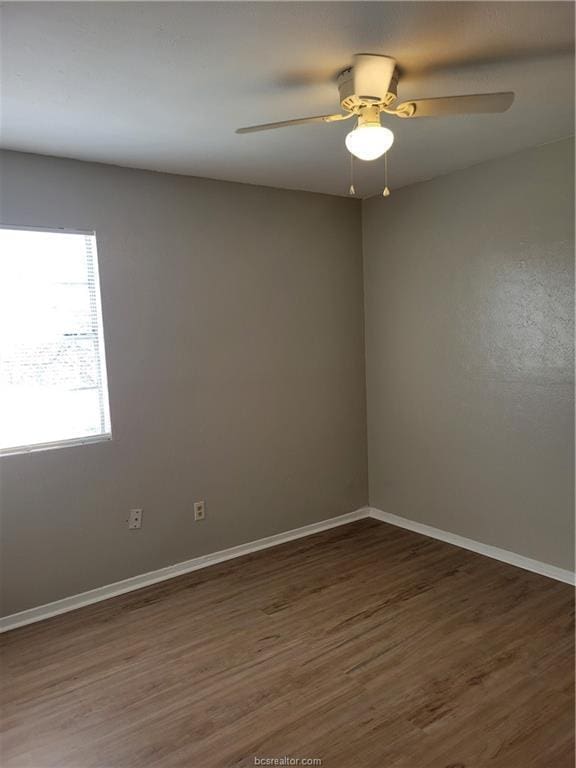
(286, 760)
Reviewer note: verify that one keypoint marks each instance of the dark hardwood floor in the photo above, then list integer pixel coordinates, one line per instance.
(364, 646)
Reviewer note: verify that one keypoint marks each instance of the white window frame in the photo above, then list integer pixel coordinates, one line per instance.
(103, 437)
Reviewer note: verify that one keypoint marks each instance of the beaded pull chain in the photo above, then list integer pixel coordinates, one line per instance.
(386, 192)
(352, 190)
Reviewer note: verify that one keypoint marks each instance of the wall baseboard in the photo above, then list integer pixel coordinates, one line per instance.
(504, 555)
(73, 602)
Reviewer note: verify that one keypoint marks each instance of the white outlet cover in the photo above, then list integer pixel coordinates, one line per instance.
(135, 519)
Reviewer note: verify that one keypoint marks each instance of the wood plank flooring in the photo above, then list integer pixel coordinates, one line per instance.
(365, 646)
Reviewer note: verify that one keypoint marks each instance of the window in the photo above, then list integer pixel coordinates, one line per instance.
(53, 387)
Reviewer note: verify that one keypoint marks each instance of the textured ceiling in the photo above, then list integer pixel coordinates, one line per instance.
(163, 85)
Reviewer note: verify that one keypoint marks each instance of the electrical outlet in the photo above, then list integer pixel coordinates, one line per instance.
(135, 519)
(199, 510)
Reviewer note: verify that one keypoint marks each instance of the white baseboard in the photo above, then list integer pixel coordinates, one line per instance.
(504, 555)
(178, 569)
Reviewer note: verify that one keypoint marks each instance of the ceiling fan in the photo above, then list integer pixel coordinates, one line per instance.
(368, 88)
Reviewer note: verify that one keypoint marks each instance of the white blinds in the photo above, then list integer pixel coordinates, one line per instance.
(52, 367)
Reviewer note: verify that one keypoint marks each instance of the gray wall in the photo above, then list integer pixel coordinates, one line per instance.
(234, 334)
(469, 339)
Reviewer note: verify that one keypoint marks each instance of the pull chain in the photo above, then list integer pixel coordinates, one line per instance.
(352, 190)
(386, 192)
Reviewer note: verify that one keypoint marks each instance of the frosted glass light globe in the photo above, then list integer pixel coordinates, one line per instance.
(369, 141)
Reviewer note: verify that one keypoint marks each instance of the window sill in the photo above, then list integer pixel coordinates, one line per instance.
(24, 449)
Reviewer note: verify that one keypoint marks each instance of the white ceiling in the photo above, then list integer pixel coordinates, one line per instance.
(163, 85)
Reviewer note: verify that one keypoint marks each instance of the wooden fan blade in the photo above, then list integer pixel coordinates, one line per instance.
(297, 121)
(456, 105)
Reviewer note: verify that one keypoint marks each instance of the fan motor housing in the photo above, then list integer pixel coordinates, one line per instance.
(371, 81)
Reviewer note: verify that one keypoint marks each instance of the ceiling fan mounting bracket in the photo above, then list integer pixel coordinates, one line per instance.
(372, 81)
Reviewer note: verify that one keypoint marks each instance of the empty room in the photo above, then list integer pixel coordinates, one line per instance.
(287, 384)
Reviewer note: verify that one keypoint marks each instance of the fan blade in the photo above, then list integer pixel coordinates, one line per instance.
(297, 121)
(456, 105)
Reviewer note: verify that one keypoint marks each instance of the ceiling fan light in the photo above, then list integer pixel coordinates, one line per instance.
(369, 141)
